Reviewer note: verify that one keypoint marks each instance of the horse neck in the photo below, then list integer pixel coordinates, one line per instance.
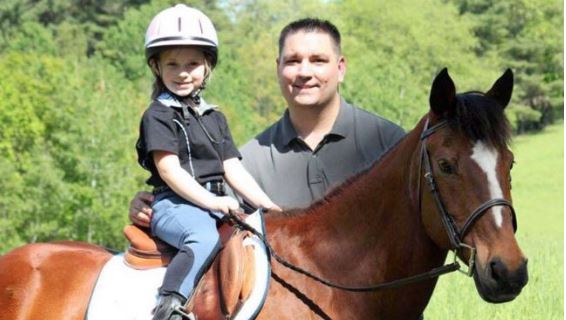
(380, 206)
(376, 215)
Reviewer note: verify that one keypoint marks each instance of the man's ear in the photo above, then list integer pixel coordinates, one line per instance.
(342, 66)
(277, 65)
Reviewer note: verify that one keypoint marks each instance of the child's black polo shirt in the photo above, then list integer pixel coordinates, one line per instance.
(162, 128)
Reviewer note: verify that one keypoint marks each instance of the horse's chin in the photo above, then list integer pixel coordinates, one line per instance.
(497, 291)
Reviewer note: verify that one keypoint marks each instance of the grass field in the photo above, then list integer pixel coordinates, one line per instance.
(538, 198)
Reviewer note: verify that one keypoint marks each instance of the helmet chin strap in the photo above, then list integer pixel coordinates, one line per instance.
(192, 100)
(194, 97)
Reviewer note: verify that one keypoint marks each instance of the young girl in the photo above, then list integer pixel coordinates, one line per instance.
(186, 145)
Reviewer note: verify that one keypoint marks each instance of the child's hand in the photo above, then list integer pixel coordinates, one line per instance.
(274, 207)
(225, 204)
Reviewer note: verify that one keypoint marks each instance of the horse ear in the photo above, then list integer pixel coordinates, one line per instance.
(442, 94)
(502, 89)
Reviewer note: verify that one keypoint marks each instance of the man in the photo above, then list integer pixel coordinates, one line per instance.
(321, 140)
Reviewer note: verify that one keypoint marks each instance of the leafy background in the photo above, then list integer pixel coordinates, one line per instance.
(73, 85)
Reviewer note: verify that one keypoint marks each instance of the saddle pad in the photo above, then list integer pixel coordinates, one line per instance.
(124, 293)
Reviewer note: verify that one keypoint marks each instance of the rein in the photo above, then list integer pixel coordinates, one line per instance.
(449, 225)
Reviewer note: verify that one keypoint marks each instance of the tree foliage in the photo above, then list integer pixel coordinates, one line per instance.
(527, 36)
(74, 83)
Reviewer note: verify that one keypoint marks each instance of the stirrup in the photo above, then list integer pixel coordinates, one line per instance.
(169, 307)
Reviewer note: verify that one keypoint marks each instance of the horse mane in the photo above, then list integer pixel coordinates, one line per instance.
(480, 117)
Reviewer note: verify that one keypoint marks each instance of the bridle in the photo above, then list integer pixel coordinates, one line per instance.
(455, 235)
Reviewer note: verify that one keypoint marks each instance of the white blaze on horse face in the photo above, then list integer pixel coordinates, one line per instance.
(486, 158)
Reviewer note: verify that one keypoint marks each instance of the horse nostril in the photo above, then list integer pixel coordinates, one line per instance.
(498, 269)
(514, 280)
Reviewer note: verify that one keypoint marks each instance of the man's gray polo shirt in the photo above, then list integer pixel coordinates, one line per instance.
(294, 176)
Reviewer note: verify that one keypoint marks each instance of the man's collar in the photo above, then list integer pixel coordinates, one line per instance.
(169, 100)
(288, 132)
(343, 121)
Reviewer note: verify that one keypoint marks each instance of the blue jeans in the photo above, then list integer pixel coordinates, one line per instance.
(193, 231)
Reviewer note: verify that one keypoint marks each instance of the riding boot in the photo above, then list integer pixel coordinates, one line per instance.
(169, 307)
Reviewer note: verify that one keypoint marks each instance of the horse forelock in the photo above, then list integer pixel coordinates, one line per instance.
(481, 118)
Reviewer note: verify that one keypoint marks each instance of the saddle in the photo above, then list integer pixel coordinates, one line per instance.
(226, 284)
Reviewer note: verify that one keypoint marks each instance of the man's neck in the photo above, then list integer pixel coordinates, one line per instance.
(313, 123)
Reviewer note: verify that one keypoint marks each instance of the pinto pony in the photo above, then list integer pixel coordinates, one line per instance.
(444, 187)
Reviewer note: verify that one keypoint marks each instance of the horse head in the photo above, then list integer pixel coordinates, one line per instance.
(466, 164)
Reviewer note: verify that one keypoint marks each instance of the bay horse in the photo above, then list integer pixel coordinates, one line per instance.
(444, 187)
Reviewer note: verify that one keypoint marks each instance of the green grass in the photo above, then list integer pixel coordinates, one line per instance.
(538, 197)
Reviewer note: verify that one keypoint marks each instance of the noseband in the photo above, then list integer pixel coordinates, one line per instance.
(455, 235)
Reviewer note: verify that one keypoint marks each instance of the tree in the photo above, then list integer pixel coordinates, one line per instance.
(526, 35)
(395, 49)
(63, 133)
(90, 16)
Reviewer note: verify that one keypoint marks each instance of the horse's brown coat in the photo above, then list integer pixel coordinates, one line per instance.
(49, 281)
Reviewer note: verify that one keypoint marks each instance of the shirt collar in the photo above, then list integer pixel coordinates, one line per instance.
(344, 120)
(287, 131)
(169, 100)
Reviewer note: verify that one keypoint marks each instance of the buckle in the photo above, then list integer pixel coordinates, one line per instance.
(216, 187)
(471, 259)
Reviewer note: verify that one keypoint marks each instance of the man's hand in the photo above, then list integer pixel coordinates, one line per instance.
(140, 208)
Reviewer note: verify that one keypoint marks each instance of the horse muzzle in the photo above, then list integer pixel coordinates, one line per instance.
(496, 283)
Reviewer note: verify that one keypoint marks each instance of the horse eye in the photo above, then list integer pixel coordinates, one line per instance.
(446, 167)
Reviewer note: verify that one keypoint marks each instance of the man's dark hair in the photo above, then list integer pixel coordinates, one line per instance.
(311, 25)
